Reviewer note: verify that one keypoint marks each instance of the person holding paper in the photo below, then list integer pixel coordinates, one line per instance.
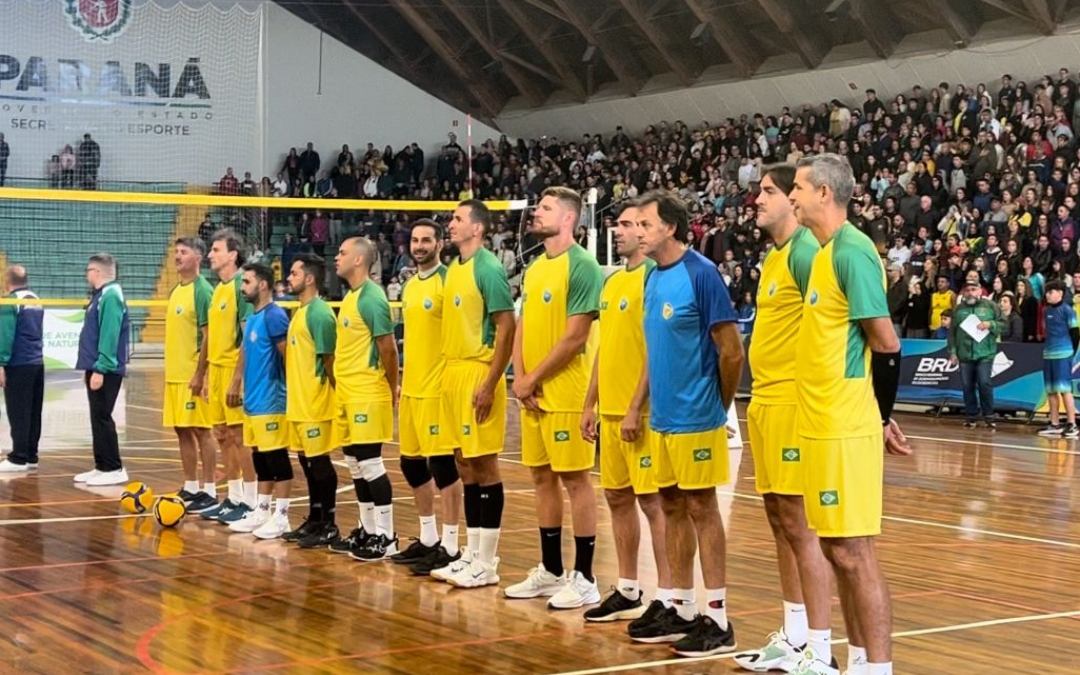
(973, 336)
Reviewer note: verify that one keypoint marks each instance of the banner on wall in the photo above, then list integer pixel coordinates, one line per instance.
(60, 337)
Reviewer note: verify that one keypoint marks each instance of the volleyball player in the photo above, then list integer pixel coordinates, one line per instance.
(366, 370)
(225, 355)
(425, 462)
(185, 408)
(620, 384)
(265, 428)
(849, 369)
(560, 301)
(695, 357)
(805, 578)
(477, 336)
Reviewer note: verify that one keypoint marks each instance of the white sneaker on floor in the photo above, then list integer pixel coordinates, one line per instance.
(444, 573)
(577, 591)
(476, 574)
(251, 521)
(778, 654)
(274, 527)
(108, 478)
(86, 475)
(11, 467)
(539, 584)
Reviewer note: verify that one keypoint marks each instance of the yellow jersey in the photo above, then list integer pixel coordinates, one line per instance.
(835, 394)
(474, 290)
(228, 311)
(363, 317)
(422, 312)
(312, 334)
(554, 289)
(781, 290)
(186, 313)
(939, 302)
(622, 338)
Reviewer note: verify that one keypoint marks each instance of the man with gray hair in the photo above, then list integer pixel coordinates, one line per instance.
(103, 356)
(22, 374)
(845, 399)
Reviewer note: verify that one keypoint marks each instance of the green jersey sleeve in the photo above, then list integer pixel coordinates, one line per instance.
(490, 279)
(374, 309)
(110, 321)
(9, 316)
(322, 326)
(204, 295)
(586, 282)
(801, 258)
(860, 274)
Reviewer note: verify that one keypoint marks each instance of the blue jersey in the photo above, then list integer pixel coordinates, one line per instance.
(683, 302)
(264, 365)
(1058, 320)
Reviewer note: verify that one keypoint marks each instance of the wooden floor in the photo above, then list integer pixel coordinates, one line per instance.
(981, 548)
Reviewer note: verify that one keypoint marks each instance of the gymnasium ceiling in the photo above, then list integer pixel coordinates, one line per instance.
(479, 55)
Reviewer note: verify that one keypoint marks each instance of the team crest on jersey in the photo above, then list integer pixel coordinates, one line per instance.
(813, 297)
(292, 341)
(623, 304)
(668, 311)
(222, 305)
(179, 310)
(98, 20)
(254, 336)
(345, 322)
(457, 301)
(772, 288)
(428, 304)
(547, 295)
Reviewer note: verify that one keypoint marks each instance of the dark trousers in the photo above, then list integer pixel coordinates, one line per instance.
(24, 394)
(102, 402)
(975, 379)
(3, 171)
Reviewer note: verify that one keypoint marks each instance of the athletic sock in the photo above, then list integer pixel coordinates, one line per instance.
(236, 491)
(263, 502)
(251, 492)
(191, 486)
(879, 668)
(489, 543)
(716, 606)
(429, 532)
(551, 549)
(584, 547)
(384, 520)
(492, 500)
(328, 498)
(685, 603)
(629, 588)
(450, 538)
(795, 626)
(820, 642)
(666, 596)
(472, 517)
(856, 660)
(282, 506)
(305, 468)
(210, 489)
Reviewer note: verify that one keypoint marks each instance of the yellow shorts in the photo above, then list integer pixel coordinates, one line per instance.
(843, 485)
(217, 383)
(266, 432)
(183, 409)
(312, 438)
(693, 461)
(364, 423)
(778, 465)
(418, 427)
(457, 417)
(623, 464)
(554, 438)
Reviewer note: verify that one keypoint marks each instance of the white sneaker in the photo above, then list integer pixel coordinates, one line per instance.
(274, 527)
(251, 521)
(576, 592)
(539, 583)
(108, 478)
(444, 573)
(476, 574)
(11, 467)
(86, 475)
(778, 654)
(810, 665)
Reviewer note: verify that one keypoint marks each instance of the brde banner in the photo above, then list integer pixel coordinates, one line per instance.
(169, 93)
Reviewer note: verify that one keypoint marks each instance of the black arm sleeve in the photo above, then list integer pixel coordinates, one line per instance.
(1074, 334)
(885, 373)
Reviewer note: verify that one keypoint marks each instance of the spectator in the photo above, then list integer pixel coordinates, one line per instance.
(899, 254)
(89, 161)
(5, 152)
(942, 331)
(917, 314)
(943, 299)
(1013, 330)
(974, 348)
(67, 167)
(309, 163)
(229, 185)
(320, 233)
(746, 312)
(393, 289)
(52, 171)
(291, 168)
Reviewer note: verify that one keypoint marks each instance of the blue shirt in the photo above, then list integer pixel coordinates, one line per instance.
(683, 301)
(1058, 320)
(21, 328)
(264, 366)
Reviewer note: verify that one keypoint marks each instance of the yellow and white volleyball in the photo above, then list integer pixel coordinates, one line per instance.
(169, 510)
(136, 498)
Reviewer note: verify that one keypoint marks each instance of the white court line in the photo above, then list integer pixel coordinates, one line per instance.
(70, 519)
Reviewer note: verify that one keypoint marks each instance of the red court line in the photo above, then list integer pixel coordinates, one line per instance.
(84, 563)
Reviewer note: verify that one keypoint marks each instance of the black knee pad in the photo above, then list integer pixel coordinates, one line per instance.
(280, 466)
(416, 471)
(263, 471)
(444, 470)
(321, 469)
(363, 451)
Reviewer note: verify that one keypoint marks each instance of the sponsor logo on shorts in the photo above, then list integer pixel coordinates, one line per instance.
(433, 430)
(645, 462)
(360, 418)
(790, 454)
(466, 430)
(273, 426)
(190, 405)
(829, 497)
(668, 311)
(314, 433)
(562, 436)
(702, 454)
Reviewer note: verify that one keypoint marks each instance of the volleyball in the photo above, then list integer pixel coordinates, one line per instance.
(169, 511)
(136, 498)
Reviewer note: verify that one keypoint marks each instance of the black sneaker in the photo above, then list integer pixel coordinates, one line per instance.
(414, 554)
(616, 607)
(321, 537)
(652, 612)
(306, 528)
(991, 424)
(378, 547)
(668, 626)
(1071, 431)
(1051, 430)
(706, 639)
(201, 502)
(356, 539)
(437, 559)
(185, 496)
(970, 424)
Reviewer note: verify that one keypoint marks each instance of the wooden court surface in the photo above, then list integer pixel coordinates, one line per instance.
(981, 548)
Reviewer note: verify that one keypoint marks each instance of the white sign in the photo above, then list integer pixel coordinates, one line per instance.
(60, 337)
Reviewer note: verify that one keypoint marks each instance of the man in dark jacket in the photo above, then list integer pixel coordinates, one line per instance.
(22, 375)
(973, 336)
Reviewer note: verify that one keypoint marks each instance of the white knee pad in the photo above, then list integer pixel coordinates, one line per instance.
(355, 472)
(371, 469)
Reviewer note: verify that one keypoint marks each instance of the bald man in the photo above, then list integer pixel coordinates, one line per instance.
(22, 373)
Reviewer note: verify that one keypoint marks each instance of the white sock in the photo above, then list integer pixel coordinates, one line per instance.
(429, 532)
(282, 506)
(210, 489)
(250, 493)
(666, 596)
(879, 668)
(191, 486)
(472, 539)
(236, 491)
(685, 603)
(820, 642)
(384, 520)
(716, 606)
(856, 660)
(367, 516)
(489, 543)
(629, 588)
(264, 502)
(795, 626)
(450, 538)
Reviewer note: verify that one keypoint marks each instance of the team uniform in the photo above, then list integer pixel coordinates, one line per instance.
(683, 302)
(1058, 349)
(310, 404)
(838, 421)
(474, 290)
(228, 311)
(265, 426)
(365, 402)
(785, 273)
(186, 314)
(554, 289)
(622, 358)
(421, 384)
